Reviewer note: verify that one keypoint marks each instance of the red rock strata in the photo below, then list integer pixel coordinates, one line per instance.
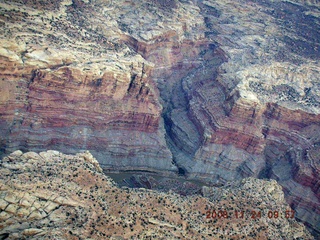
(218, 90)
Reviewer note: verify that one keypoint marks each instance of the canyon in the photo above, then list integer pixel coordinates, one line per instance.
(216, 91)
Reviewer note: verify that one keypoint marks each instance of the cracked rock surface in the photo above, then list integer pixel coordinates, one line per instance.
(51, 195)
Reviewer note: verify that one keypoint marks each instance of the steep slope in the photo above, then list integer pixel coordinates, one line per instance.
(68, 83)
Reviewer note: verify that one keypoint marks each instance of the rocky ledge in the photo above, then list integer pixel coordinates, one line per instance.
(51, 195)
(217, 89)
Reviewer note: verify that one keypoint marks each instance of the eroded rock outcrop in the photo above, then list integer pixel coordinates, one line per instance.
(72, 87)
(53, 195)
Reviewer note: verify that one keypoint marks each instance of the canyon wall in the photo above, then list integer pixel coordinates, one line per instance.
(62, 90)
(217, 90)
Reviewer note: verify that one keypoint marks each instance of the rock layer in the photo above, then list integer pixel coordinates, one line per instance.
(71, 88)
(218, 90)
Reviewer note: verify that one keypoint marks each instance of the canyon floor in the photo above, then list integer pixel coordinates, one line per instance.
(215, 90)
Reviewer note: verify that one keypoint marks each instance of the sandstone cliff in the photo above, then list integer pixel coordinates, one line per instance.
(218, 90)
(55, 196)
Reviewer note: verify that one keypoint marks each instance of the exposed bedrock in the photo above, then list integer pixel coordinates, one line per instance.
(76, 110)
(218, 90)
(72, 87)
(225, 114)
(51, 195)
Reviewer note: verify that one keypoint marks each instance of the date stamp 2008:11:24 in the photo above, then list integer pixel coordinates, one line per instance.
(220, 214)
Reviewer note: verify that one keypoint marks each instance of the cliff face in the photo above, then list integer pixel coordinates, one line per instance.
(39, 200)
(67, 85)
(220, 90)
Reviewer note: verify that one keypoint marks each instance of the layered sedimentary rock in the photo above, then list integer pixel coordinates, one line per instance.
(53, 195)
(220, 90)
(72, 87)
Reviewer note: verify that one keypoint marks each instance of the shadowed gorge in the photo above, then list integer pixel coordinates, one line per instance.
(215, 91)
